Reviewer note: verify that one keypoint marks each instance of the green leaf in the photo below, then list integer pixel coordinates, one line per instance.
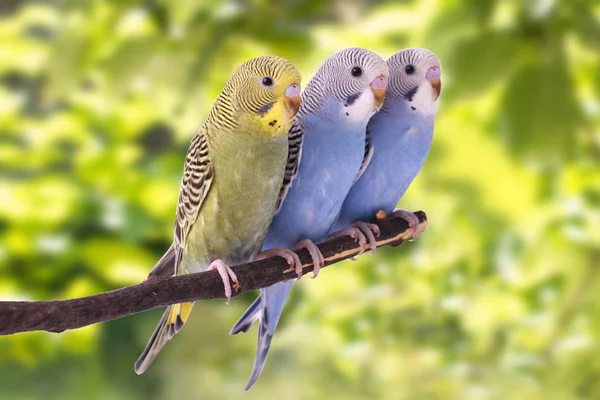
(478, 62)
(539, 115)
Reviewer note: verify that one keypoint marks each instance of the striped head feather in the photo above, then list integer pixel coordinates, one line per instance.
(413, 69)
(345, 76)
(262, 95)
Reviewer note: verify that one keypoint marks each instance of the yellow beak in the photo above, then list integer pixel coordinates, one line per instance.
(434, 76)
(292, 100)
(292, 104)
(436, 84)
(378, 87)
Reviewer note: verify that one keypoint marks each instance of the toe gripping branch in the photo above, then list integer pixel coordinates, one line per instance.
(393, 232)
(158, 291)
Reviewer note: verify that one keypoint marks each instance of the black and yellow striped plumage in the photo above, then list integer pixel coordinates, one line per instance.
(231, 181)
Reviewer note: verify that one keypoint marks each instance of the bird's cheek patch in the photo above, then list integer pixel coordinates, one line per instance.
(423, 101)
(265, 109)
(351, 99)
(409, 96)
(358, 108)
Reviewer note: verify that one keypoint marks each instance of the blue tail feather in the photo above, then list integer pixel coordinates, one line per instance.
(268, 307)
(253, 313)
(262, 350)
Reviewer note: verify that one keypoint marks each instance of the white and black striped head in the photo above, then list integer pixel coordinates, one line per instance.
(355, 77)
(415, 75)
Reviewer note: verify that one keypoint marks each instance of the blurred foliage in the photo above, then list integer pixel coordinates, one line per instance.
(499, 299)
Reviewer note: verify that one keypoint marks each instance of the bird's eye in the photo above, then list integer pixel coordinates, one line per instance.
(356, 71)
(410, 69)
(267, 81)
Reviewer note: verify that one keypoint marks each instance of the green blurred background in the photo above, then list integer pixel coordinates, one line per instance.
(499, 299)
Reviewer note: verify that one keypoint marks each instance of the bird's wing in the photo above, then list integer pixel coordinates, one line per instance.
(195, 184)
(295, 135)
(368, 155)
(197, 178)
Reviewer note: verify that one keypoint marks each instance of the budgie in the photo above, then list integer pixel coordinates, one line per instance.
(231, 182)
(399, 137)
(327, 141)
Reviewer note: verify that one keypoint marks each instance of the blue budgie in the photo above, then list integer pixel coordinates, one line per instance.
(399, 137)
(327, 141)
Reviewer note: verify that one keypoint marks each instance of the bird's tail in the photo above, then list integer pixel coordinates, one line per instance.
(171, 322)
(166, 266)
(268, 308)
(253, 313)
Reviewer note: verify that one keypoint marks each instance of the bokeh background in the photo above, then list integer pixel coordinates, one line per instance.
(499, 299)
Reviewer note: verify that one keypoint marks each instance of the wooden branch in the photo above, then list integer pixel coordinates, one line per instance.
(60, 315)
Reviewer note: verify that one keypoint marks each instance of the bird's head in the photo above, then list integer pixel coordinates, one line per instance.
(265, 90)
(415, 76)
(354, 77)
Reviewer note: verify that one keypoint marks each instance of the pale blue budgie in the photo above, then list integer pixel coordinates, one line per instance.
(398, 140)
(327, 141)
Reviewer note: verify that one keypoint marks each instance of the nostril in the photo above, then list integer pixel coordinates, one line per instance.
(293, 90)
(379, 83)
(433, 73)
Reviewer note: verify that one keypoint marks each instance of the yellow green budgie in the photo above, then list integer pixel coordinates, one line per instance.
(231, 183)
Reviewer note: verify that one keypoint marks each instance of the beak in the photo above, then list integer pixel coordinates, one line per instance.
(378, 87)
(434, 77)
(292, 99)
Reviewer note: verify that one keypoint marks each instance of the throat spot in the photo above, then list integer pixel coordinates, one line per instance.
(359, 108)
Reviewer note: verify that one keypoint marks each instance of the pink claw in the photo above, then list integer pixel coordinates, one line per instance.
(411, 218)
(355, 233)
(370, 231)
(226, 272)
(290, 257)
(316, 255)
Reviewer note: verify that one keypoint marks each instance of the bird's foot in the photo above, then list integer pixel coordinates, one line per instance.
(370, 231)
(412, 219)
(226, 273)
(316, 255)
(355, 234)
(363, 233)
(290, 257)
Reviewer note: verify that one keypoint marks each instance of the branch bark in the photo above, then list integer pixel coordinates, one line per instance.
(60, 315)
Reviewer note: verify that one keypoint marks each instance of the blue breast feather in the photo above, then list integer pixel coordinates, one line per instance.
(401, 140)
(331, 157)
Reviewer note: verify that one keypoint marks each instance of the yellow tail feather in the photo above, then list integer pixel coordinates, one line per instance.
(170, 323)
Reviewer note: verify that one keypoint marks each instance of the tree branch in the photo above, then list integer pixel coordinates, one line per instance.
(60, 315)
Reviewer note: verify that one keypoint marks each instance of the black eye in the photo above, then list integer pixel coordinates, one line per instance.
(356, 71)
(267, 81)
(410, 69)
